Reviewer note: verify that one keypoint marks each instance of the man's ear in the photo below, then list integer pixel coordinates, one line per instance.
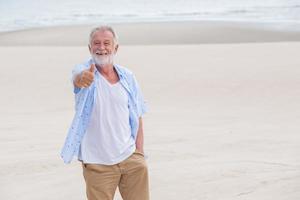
(89, 48)
(116, 48)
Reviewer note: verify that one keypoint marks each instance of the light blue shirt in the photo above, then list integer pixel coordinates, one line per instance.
(84, 101)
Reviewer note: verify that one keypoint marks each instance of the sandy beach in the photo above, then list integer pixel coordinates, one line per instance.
(223, 120)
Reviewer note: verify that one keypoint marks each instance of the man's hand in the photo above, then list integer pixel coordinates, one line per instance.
(85, 78)
(139, 143)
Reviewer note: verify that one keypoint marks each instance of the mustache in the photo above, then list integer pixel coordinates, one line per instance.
(98, 51)
(103, 55)
(101, 52)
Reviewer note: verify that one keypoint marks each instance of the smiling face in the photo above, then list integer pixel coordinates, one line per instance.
(102, 47)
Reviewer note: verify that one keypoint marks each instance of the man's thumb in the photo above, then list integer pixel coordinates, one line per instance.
(92, 68)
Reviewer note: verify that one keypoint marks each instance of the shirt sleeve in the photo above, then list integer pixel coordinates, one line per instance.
(76, 70)
(140, 102)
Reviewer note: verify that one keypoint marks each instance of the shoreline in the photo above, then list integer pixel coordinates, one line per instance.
(293, 26)
(155, 33)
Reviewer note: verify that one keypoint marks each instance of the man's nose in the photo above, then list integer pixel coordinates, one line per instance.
(102, 46)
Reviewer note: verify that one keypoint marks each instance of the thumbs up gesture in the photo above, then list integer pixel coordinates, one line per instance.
(85, 78)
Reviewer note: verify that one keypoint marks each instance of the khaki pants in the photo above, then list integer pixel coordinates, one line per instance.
(131, 175)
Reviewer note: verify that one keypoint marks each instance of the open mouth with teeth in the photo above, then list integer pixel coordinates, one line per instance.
(101, 53)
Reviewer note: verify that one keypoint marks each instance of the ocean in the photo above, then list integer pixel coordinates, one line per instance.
(24, 14)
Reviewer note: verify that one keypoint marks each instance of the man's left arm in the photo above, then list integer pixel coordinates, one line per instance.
(140, 137)
(141, 110)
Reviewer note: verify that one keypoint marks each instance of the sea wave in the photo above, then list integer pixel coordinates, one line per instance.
(289, 13)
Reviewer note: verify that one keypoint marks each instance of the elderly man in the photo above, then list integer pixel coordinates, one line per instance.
(106, 134)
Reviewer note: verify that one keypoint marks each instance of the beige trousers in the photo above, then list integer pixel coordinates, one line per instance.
(131, 175)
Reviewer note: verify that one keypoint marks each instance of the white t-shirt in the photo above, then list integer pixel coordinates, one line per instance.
(108, 137)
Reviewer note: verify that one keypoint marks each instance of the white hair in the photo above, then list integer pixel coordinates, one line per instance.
(103, 28)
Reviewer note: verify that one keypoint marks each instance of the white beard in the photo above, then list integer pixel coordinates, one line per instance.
(103, 60)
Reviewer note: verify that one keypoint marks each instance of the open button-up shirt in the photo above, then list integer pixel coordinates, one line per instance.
(84, 101)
